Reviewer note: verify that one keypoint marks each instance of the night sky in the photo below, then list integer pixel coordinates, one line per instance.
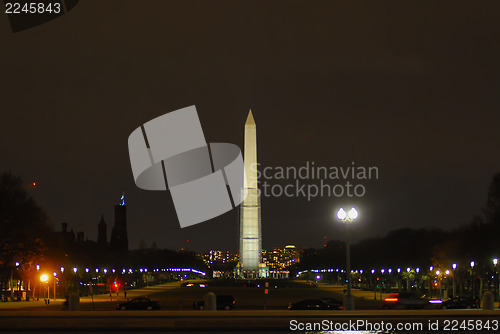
(411, 87)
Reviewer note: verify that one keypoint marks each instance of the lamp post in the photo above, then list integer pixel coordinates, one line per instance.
(495, 262)
(472, 264)
(348, 217)
(55, 279)
(454, 266)
(45, 279)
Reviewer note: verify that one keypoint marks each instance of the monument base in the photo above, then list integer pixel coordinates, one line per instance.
(254, 273)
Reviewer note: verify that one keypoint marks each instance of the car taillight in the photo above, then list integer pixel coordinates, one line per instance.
(391, 300)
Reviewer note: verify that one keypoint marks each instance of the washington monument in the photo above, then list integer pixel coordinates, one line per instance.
(250, 265)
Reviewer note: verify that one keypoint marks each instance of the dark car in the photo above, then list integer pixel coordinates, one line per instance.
(139, 303)
(461, 303)
(407, 301)
(224, 302)
(316, 304)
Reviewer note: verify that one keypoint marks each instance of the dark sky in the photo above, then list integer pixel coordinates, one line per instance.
(411, 87)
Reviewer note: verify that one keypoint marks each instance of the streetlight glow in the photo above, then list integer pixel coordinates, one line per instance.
(353, 214)
(438, 272)
(447, 272)
(472, 264)
(454, 266)
(495, 261)
(44, 278)
(341, 214)
(75, 270)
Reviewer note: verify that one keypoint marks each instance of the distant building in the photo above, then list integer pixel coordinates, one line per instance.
(102, 234)
(281, 258)
(119, 238)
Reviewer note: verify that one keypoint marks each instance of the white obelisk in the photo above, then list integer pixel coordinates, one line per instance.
(250, 229)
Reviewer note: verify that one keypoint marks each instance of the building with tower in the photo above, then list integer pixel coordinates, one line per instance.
(119, 238)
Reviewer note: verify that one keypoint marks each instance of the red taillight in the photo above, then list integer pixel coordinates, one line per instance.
(391, 300)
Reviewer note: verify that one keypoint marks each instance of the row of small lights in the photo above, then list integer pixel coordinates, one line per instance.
(130, 271)
(373, 271)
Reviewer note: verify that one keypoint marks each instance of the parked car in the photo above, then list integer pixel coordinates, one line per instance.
(461, 303)
(139, 303)
(223, 302)
(407, 301)
(316, 304)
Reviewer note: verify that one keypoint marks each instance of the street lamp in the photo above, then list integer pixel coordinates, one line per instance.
(454, 266)
(495, 262)
(45, 279)
(348, 217)
(55, 278)
(472, 264)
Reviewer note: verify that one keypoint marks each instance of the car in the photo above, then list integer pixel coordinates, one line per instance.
(195, 284)
(139, 303)
(316, 304)
(461, 303)
(408, 301)
(223, 302)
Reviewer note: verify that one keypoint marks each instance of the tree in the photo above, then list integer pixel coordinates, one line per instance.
(23, 225)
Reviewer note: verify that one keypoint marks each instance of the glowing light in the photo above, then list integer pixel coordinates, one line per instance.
(454, 266)
(408, 269)
(122, 200)
(105, 270)
(399, 270)
(54, 273)
(62, 269)
(373, 271)
(430, 268)
(318, 277)
(341, 214)
(391, 300)
(44, 278)
(438, 272)
(86, 270)
(382, 271)
(435, 301)
(495, 262)
(472, 264)
(37, 267)
(390, 271)
(17, 264)
(75, 270)
(353, 214)
(447, 272)
(34, 184)
(417, 270)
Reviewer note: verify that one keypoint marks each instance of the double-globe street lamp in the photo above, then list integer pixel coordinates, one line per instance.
(348, 217)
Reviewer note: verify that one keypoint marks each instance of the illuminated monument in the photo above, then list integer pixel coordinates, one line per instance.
(250, 265)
